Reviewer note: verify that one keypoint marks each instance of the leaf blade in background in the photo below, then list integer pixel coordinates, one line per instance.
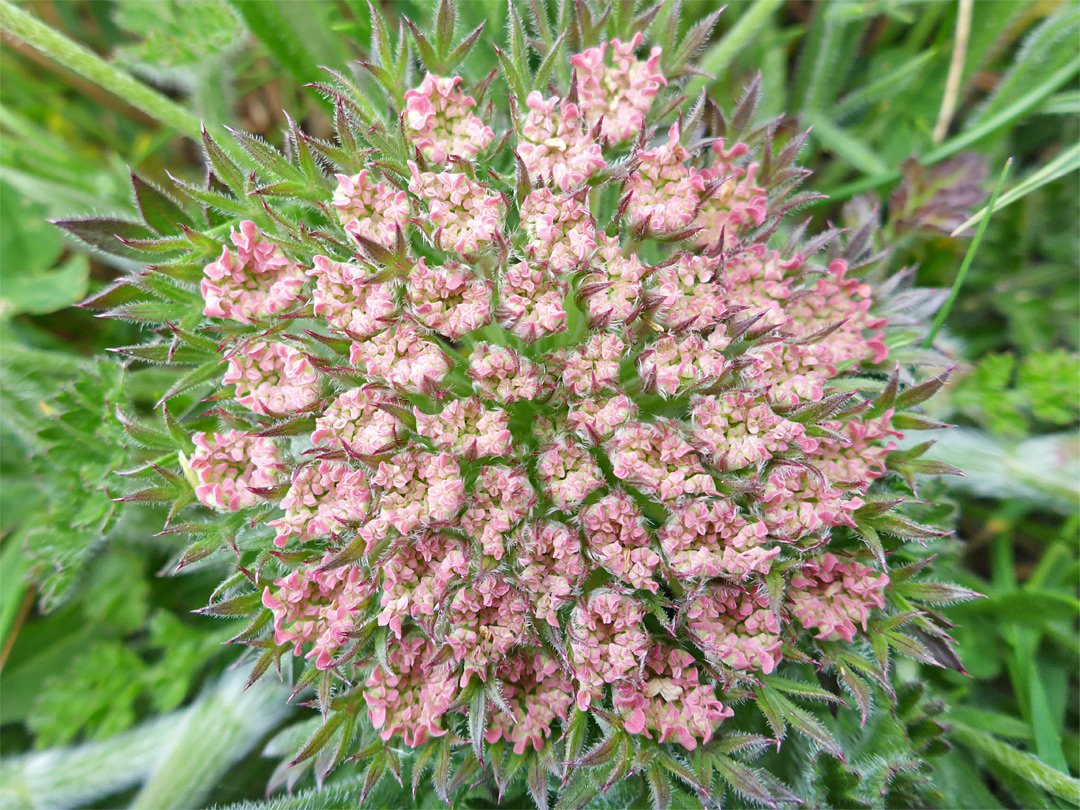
(179, 757)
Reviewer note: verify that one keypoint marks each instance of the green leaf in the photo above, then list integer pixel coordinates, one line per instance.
(268, 157)
(99, 699)
(537, 782)
(578, 792)
(197, 376)
(818, 76)
(280, 38)
(885, 86)
(800, 689)
(478, 721)
(659, 787)
(721, 55)
(938, 593)
(846, 146)
(224, 166)
(1011, 113)
(743, 780)
(44, 291)
(1049, 47)
(160, 211)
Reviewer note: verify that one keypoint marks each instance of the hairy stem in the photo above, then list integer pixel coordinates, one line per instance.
(25, 27)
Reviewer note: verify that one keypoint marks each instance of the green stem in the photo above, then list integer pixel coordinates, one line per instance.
(943, 313)
(27, 28)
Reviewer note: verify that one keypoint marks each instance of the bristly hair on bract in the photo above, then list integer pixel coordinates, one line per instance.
(542, 442)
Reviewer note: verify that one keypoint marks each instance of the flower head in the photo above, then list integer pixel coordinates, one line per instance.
(256, 282)
(272, 378)
(440, 122)
(831, 594)
(557, 433)
(228, 465)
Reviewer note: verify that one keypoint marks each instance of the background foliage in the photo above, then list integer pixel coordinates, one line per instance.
(108, 678)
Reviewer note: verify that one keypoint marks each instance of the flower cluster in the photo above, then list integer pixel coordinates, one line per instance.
(831, 595)
(257, 282)
(229, 465)
(545, 414)
(670, 701)
(320, 607)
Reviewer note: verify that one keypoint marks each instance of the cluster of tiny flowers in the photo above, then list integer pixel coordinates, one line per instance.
(370, 209)
(257, 282)
(504, 424)
(355, 423)
(709, 538)
(538, 692)
(350, 299)
(229, 465)
(739, 429)
(323, 498)
(617, 95)
(737, 204)
(669, 700)
(665, 193)
(560, 231)
(449, 300)
(318, 606)
(737, 627)
(465, 215)
(555, 148)
(440, 122)
(832, 595)
(272, 378)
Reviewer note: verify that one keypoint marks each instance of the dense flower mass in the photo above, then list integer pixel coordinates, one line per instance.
(552, 427)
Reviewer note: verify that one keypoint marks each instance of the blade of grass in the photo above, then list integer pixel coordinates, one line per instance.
(1047, 732)
(843, 144)
(266, 22)
(1067, 103)
(882, 87)
(1050, 45)
(720, 56)
(1021, 661)
(964, 139)
(27, 28)
(1065, 163)
(943, 313)
(821, 63)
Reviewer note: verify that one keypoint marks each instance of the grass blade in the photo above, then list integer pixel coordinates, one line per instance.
(943, 313)
(961, 141)
(1065, 163)
(844, 145)
(1023, 765)
(883, 87)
